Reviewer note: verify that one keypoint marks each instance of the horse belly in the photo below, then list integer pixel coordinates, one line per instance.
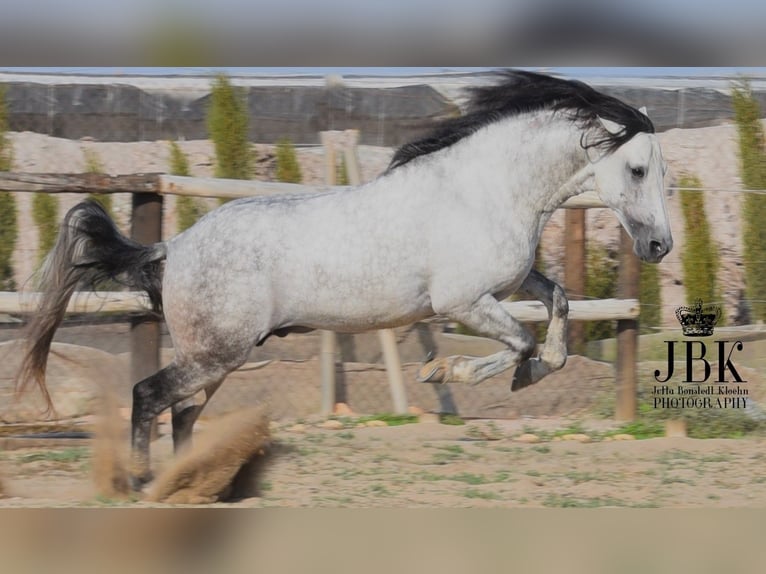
(349, 306)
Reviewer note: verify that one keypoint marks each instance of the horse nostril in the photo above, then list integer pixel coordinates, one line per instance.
(657, 248)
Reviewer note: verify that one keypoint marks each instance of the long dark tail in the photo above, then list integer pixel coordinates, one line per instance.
(89, 249)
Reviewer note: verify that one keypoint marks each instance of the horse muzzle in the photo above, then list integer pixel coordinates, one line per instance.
(653, 250)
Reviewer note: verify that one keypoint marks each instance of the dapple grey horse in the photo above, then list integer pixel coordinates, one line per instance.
(450, 228)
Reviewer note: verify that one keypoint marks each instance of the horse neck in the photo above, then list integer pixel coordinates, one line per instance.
(526, 165)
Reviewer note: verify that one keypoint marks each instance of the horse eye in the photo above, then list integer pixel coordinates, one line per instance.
(638, 172)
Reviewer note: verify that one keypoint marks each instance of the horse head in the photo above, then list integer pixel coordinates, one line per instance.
(630, 180)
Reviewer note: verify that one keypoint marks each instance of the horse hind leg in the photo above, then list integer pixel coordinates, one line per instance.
(176, 383)
(185, 413)
(553, 355)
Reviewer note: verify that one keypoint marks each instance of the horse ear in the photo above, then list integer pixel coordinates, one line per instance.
(612, 127)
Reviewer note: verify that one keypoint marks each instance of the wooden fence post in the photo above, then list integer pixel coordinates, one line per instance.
(574, 272)
(387, 336)
(627, 333)
(146, 228)
(327, 339)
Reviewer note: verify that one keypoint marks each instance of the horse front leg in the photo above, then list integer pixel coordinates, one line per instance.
(553, 355)
(489, 318)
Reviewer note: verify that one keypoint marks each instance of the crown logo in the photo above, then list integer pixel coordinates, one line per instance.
(698, 320)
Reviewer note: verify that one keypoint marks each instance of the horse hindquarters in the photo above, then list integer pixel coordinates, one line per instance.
(213, 325)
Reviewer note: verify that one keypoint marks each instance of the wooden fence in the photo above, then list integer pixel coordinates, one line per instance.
(147, 191)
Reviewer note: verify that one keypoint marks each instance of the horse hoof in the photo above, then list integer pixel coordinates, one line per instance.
(137, 483)
(522, 377)
(433, 372)
(528, 373)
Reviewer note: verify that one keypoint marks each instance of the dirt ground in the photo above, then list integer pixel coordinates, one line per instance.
(479, 464)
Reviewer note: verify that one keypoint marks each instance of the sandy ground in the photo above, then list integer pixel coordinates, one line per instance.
(435, 465)
(479, 464)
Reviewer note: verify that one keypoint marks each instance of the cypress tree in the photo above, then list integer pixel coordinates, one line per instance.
(8, 222)
(600, 283)
(650, 293)
(288, 168)
(93, 164)
(227, 124)
(700, 256)
(341, 174)
(188, 209)
(753, 169)
(45, 212)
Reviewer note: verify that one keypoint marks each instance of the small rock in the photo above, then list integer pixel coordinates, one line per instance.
(342, 409)
(331, 424)
(675, 428)
(579, 437)
(624, 437)
(376, 424)
(428, 418)
(314, 419)
(528, 438)
(297, 428)
(413, 410)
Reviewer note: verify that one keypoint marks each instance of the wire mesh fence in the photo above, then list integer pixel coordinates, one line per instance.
(56, 129)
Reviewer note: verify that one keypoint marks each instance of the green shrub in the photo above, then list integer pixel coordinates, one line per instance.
(93, 164)
(288, 168)
(699, 257)
(8, 222)
(753, 169)
(227, 124)
(45, 212)
(179, 163)
(341, 174)
(8, 235)
(650, 295)
(600, 283)
(188, 209)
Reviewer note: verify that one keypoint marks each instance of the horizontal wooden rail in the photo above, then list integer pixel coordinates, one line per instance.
(186, 186)
(79, 182)
(595, 310)
(128, 301)
(81, 302)
(233, 188)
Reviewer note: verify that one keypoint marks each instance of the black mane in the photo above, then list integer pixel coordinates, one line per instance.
(523, 92)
